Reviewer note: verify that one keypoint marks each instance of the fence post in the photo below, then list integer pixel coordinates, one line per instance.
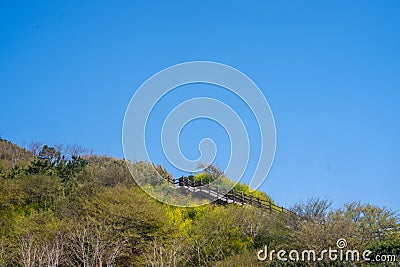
(209, 188)
(270, 206)
(251, 200)
(226, 196)
(242, 199)
(259, 202)
(234, 196)
(201, 183)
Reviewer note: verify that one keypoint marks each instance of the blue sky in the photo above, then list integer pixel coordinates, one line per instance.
(329, 69)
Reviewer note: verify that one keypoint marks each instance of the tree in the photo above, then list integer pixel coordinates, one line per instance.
(91, 244)
(370, 222)
(34, 147)
(40, 239)
(77, 150)
(42, 191)
(116, 224)
(317, 227)
(213, 237)
(164, 173)
(49, 153)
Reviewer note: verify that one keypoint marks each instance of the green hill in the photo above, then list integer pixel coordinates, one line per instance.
(60, 209)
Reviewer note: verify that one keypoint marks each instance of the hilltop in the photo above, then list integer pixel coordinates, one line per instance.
(65, 207)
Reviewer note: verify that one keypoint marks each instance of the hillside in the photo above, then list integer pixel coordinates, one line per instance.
(11, 155)
(65, 208)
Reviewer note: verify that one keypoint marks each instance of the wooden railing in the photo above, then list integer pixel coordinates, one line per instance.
(225, 196)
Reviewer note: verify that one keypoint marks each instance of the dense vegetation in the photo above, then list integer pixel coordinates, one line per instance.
(60, 207)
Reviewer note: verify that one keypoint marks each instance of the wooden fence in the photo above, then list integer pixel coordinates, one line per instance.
(225, 196)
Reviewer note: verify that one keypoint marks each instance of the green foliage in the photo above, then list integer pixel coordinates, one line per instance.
(244, 188)
(391, 246)
(211, 174)
(51, 163)
(57, 210)
(49, 153)
(122, 218)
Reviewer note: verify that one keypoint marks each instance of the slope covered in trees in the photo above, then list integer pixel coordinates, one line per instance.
(60, 207)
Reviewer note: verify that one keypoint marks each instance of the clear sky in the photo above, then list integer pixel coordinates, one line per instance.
(329, 69)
